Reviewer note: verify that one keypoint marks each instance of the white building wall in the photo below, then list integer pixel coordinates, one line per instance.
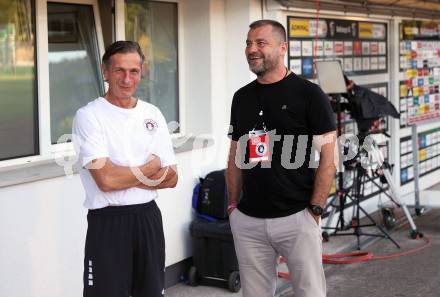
(42, 231)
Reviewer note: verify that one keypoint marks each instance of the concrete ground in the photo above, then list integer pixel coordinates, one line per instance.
(414, 275)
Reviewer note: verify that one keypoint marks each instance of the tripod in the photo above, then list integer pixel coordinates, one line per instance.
(359, 168)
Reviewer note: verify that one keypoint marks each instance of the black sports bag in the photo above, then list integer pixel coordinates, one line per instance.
(213, 196)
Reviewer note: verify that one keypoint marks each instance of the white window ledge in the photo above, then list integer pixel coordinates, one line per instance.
(49, 168)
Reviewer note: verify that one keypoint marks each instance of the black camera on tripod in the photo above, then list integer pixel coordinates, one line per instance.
(365, 107)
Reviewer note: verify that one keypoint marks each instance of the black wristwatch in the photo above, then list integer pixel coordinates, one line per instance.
(316, 209)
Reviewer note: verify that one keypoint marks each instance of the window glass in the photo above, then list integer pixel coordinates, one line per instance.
(18, 99)
(154, 26)
(74, 74)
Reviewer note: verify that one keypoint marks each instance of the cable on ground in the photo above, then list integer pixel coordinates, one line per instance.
(359, 256)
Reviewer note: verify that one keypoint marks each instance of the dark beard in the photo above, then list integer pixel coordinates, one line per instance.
(259, 72)
(264, 68)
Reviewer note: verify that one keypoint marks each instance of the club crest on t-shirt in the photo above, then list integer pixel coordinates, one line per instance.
(150, 125)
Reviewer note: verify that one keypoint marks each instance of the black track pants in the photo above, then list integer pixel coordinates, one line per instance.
(125, 252)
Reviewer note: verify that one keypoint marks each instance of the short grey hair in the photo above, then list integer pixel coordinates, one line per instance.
(121, 47)
(276, 27)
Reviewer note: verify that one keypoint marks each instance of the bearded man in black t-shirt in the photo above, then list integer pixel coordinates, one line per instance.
(277, 189)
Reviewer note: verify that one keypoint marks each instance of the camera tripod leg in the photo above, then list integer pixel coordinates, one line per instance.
(385, 234)
(337, 201)
(397, 200)
(331, 213)
(332, 205)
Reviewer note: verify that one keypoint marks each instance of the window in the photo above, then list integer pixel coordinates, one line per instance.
(74, 71)
(18, 100)
(35, 113)
(154, 26)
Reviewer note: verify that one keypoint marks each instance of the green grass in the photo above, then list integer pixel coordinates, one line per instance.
(17, 95)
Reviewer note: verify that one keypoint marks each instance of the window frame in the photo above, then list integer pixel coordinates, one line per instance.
(47, 147)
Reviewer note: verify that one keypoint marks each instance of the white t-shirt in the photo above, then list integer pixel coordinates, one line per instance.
(127, 137)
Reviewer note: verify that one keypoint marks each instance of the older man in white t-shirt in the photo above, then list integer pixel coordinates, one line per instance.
(126, 154)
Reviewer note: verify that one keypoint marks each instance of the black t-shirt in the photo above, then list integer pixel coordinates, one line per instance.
(291, 106)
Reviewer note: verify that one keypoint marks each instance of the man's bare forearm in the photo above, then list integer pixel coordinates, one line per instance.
(326, 171)
(166, 177)
(233, 175)
(323, 181)
(111, 177)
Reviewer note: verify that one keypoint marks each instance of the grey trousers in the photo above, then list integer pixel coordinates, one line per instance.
(259, 242)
